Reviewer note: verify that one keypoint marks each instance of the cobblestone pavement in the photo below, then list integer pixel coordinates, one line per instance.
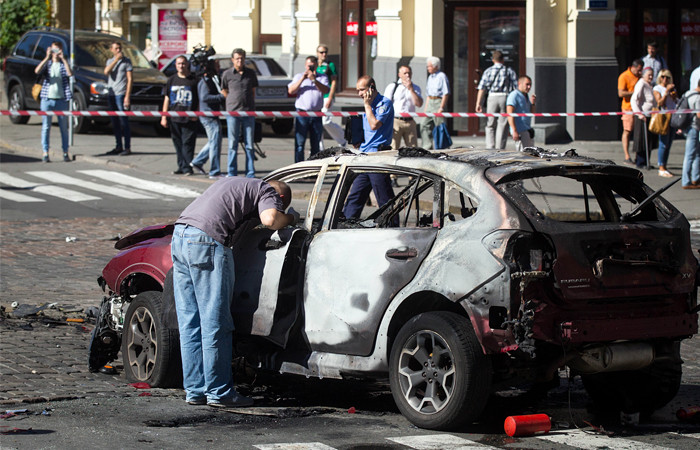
(45, 357)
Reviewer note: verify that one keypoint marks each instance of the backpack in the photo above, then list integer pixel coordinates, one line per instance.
(682, 121)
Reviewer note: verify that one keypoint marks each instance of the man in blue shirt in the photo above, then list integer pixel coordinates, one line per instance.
(378, 127)
(517, 102)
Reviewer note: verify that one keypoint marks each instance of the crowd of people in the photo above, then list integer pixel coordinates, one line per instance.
(646, 86)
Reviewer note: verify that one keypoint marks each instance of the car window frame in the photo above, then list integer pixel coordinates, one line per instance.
(33, 48)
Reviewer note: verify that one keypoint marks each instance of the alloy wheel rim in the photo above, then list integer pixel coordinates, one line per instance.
(426, 372)
(142, 347)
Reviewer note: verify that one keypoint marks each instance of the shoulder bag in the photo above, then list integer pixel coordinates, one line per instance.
(659, 123)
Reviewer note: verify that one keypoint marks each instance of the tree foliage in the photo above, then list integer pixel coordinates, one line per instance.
(19, 16)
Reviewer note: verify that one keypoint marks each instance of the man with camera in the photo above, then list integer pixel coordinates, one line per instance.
(119, 81)
(210, 99)
(378, 127)
(238, 86)
(309, 87)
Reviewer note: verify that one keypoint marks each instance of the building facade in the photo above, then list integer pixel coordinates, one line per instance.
(573, 49)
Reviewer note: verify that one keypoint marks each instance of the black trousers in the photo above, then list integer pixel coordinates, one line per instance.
(184, 135)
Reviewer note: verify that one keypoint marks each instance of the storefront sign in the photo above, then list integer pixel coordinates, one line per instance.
(172, 34)
(655, 29)
(371, 28)
(690, 29)
(352, 28)
(622, 29)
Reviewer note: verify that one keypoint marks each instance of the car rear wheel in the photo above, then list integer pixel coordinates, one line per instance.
(644, 390)
(150, 351)
(16, 102)
(282, 127)
(440, 378)
(80, 124)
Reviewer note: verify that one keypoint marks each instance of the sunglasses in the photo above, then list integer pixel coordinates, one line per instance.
(665, 76)
(323, 53)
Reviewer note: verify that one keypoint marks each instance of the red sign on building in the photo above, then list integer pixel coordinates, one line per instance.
(655, 29)
(352, 28)
(690, 29)
(371, 28)
(622, 28)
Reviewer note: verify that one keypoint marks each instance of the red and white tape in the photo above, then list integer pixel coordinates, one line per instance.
(292, 114)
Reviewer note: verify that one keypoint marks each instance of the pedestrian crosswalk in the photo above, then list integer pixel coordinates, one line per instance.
(84, 186)
(578, 439)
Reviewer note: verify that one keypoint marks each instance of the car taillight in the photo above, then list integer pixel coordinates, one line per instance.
(522, 251)
(98, 88)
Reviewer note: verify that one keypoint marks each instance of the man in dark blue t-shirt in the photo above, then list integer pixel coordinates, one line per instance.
(378, 127)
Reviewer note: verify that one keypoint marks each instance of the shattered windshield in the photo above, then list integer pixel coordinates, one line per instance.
(585, 197)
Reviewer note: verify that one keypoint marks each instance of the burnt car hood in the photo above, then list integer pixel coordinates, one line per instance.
(143, 234)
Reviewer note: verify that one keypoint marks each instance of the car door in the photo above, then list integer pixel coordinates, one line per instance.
(266, 300)
(354, 268)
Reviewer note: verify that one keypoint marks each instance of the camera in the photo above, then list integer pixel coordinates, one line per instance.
(200, 62)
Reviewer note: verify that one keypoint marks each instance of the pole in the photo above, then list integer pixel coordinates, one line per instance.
(98, 15)
(293, 32)
(72, 66)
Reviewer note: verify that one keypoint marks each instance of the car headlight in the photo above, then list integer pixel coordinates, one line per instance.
(98, 88)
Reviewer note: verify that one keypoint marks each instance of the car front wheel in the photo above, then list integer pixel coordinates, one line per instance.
(80, 124)
(150, 351)
(16, 102)
(282, 127)
(440, 378)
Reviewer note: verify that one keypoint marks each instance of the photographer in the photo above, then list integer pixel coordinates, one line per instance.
(55, 95)
(210, 99)
(666, 97)
(119, 81)
(309, 88)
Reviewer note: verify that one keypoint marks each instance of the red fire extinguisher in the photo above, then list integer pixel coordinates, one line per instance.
(689, 413)
(528, 425)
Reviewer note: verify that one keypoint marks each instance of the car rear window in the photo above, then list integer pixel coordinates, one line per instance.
(96, 52)
(585, 197)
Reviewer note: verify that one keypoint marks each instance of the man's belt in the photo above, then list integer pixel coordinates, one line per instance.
(432, 97)
(405, 119)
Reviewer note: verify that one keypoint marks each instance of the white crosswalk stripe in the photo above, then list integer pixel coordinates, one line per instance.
(17, 197)
(295, 446)
(60, 178)
(146, 185)
(439, 442)
(583, 440)
(55, 191)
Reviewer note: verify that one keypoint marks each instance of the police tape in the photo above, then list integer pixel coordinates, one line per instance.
(293, 114)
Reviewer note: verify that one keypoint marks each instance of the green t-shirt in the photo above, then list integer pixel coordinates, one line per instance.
(327, 69)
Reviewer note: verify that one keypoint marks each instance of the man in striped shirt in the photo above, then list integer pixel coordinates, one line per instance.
(498, 80)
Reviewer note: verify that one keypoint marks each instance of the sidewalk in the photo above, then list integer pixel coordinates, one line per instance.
(154, 154)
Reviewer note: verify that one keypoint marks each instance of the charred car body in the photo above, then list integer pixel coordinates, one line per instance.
(467, 278)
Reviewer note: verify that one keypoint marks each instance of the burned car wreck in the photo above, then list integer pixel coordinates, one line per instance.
(485, 267)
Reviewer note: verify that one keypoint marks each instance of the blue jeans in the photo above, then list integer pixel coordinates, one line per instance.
(234, 131)
(203, 276)
(359, 192)
(54, 105)
(212, 149)
(120, 124)
(691, 161)
(302, 127)
(665, 141)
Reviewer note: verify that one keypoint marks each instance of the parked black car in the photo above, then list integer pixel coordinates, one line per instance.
(90, 84)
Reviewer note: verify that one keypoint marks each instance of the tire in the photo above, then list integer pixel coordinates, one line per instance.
(80, 124)
(644, 390)
(150, 351)
(460, 380)
(16, 103)
(282, 127)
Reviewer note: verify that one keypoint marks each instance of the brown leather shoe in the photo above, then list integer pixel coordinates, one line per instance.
(692, 186)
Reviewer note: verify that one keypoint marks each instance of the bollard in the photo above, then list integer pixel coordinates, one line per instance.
(528, 425)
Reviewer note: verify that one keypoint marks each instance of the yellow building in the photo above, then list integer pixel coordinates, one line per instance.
(573, 49)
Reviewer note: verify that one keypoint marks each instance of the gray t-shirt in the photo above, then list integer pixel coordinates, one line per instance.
(229, 207)
(116, 80)
(240, 89)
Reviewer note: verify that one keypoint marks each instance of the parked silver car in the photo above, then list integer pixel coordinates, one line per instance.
(487, 267)
(270, 95)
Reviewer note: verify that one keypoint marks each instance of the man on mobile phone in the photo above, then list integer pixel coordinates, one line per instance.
(119, 82)
(378, 126)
